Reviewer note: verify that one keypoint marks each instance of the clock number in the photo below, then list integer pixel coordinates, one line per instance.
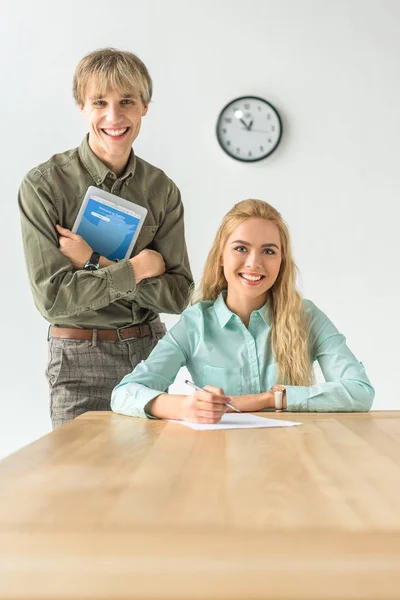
(261, 148)
(228, 143)
(247, 115)
(237, 150)
(269, 141)
(247, 106)
(269, 116)
(250, 154)
(259, 108)
(273, 128)
(228, 120)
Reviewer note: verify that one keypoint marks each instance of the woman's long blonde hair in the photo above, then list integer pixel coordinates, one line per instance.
(289, 339)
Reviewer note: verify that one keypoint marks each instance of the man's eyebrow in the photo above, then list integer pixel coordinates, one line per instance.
(270, 245)
(100, 96)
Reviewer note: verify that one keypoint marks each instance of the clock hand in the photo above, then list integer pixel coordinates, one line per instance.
(250, 124)
(258, 130)
(244, 123)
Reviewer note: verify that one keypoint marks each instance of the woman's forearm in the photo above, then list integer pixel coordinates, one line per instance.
(166, 406)
(254, 402)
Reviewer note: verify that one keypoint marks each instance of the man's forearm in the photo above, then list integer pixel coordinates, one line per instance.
(104, 262)
(166, 294)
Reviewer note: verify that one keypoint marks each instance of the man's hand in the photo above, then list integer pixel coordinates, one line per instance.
(148, 263)
(73, 247)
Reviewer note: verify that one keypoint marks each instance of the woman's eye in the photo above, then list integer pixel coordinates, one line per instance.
(268, 251)
(241, 248)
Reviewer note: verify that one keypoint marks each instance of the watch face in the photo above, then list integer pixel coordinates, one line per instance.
(91, 267)
(249, 129)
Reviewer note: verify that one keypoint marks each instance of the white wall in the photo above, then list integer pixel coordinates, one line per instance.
(331, 68)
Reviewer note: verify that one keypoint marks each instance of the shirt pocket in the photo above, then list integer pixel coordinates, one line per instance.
(146, 236)
(229, 379)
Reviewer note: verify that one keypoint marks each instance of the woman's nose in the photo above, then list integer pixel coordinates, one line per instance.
(253, 260)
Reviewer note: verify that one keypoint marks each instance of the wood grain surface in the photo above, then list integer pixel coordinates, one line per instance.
(115, 507)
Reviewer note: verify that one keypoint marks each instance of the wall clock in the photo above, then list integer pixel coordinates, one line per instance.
(249, 128)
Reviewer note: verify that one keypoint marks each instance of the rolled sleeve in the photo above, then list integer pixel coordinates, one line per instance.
(169, 293)
(346, 388)
(149, 379)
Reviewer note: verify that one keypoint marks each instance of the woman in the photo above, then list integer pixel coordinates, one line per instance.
(248, 333)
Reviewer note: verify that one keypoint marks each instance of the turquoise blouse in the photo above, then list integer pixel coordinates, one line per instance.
(217, 349)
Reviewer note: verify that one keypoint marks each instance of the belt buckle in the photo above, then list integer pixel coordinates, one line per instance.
(127, 339)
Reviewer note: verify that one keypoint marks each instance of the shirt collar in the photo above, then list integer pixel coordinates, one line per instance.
(98, 170)
(224, 314)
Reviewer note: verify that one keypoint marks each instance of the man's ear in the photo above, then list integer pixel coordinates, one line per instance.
(145, 109)
(81, 107)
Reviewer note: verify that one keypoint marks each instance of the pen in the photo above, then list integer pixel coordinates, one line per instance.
(196, 387)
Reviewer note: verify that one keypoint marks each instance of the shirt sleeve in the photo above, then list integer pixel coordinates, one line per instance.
(170, 292)
(59, 290)
(346, 388)
(153, 376)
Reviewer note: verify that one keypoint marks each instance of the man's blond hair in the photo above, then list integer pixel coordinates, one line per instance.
(115, 69)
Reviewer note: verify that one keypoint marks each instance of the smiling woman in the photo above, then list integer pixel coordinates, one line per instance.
(248, 332)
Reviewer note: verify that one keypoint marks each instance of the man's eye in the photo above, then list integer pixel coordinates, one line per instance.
(127, 101)
(99, 103)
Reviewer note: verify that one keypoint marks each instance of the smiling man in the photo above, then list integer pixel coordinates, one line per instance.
(104, 316)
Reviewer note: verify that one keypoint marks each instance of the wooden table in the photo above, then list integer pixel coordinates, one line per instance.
(114, 507)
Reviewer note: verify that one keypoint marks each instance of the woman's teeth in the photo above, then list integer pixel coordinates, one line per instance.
(251, 277)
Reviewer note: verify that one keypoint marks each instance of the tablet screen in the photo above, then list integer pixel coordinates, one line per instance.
(107, 228)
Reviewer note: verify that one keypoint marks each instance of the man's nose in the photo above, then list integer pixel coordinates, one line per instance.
(114, 113)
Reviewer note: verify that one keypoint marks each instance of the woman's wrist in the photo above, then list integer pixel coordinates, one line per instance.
(254, 402)
(280, 388)
(166, 406)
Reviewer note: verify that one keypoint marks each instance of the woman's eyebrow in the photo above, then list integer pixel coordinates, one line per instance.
(269, 245)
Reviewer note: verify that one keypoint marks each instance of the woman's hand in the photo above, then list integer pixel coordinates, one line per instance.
(204, 406)
(73, 247)
(253, 402)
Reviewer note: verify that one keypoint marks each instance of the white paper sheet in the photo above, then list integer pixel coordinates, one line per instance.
(238, 421)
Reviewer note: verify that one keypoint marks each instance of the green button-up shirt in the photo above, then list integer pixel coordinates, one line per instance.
(52, 193)
(217, 349)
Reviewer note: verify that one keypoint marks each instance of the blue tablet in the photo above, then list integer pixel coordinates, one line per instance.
(109, 224)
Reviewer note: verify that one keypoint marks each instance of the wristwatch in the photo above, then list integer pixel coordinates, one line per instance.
(278, 398)
(93, 263)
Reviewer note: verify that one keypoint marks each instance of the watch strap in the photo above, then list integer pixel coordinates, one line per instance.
(93, 262)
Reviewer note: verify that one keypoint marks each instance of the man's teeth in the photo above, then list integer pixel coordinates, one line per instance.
(251, 277)
(116, 132)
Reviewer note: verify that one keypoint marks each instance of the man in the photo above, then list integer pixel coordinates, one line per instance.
(102, 322)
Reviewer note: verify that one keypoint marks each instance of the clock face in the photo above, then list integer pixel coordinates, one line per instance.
(249, 128)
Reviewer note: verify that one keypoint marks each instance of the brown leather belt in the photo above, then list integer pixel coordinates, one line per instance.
(103, 335)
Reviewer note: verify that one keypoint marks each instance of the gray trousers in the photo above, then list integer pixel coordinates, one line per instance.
(83, 373)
